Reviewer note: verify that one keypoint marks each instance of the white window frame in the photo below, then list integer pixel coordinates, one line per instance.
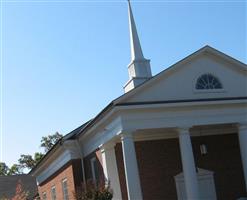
(198, 91)
(53, 193)
(65, 194)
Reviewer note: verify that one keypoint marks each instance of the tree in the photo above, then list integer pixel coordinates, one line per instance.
(37, 157)
(27, 161)
(101, 192)
(3, 169)
(48, 141)
(15, 169)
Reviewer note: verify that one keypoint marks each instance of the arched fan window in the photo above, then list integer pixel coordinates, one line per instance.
(208, 81)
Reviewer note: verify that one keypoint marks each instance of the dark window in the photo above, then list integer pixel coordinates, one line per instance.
(207, 82)
(95, 171)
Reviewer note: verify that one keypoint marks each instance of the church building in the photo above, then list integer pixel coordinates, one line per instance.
(178, 135)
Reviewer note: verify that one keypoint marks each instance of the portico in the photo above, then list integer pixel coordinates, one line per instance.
(188, 164)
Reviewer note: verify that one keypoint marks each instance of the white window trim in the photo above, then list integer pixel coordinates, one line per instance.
(201, 91)
(65, 180)
(208, 90)
(53, 188)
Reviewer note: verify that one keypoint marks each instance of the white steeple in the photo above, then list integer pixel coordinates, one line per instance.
(139, 67)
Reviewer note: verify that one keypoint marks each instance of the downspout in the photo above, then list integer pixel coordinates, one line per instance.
(82, 165)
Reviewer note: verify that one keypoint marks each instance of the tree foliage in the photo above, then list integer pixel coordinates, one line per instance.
(93, 192)
(48, 141)
(37, 157)
(15, 169)
(3, 169)
(27, 161)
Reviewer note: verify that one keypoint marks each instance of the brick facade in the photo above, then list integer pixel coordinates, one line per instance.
(72, 171)
(224, 159)
(159, 161)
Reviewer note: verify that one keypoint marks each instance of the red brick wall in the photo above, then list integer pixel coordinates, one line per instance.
(224, 159)
(69, 171)
(78, 176)
(121, 173)
(159, 161)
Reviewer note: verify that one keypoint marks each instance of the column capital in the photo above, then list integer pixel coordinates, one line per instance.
(242, 126)
(107, 146)
(183, 129)
(127, 134)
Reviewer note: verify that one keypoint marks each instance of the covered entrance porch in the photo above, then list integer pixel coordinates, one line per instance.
(197, 162)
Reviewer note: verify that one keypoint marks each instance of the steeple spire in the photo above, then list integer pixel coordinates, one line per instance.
(139, 67)
(136, 50)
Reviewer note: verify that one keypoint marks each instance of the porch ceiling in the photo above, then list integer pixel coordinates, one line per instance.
(166, 133)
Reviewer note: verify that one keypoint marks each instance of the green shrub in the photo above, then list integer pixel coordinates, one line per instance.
(92, 191)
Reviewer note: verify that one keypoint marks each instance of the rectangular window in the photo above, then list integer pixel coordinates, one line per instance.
(95, 171)
(44, 197)
(65, 190)
(53, 193)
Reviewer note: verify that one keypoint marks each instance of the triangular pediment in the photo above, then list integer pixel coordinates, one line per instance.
(178, 81)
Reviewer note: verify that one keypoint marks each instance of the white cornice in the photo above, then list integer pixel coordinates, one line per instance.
(116, 112)
(162, 116)
(179, 105)
(54, 166)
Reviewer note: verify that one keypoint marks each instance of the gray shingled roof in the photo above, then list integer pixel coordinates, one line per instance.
(8, 185)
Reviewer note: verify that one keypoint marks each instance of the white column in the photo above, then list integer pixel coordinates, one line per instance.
(242, 133)
(131, 168)
(188, 163)
(110, 169)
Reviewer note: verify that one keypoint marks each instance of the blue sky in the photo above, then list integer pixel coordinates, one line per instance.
(63, 62)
